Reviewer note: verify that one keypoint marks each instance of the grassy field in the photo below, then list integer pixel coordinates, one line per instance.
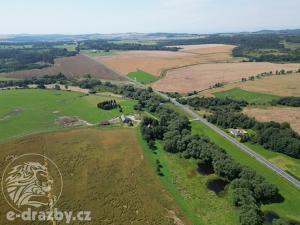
(251, 97)
(30, 111)
(104, 171)
(142, 77)
(289, 208)
(69, 47)
(188, 188)
(95, 53)
(7, 78)
(289, 164)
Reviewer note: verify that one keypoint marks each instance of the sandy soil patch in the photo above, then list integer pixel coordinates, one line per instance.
(277, 114)
(69, 88)
(75, 66)
(71, 121)
(155, 62)
(202, 76)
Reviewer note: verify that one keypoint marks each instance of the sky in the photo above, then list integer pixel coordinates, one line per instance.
(146, 16)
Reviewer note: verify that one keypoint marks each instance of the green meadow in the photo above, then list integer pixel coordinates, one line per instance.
(251, 97)
(142, 77)
(29, 111)
(188, 188)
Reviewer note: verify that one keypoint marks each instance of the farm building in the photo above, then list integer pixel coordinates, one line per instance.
(125, 119)
(238, 132)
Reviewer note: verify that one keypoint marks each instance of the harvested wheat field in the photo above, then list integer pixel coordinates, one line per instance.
(202, 76)
(154, 62)
(74, 66)
(104, 172)
(277, 114)
(285, 85)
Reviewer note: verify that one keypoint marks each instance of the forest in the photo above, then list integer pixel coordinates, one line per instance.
(35, 56)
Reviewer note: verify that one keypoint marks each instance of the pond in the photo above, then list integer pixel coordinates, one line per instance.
(270, 216)
(217, 186)
(205, 168)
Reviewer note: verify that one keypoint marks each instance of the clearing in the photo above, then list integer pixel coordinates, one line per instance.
(29, 111)
(277, 114)
(155, 62)
(202, 76)
(104, 171)
(251, 97)
(75, 66)
(142, 77)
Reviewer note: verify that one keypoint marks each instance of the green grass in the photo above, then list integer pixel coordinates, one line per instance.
(7, 78)
(94, 53)
(188, 188)
(289, 208)
(30, 111)
(289, 164)
(142, 77)
(69, 47)
(251, 97)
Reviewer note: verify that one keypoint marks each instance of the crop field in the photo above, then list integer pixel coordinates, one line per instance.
(287, 85)
(30, 111)
(277, 114)
(155, 62)
(202, 76)
(103, 171)
(188, 187)
(251, 97)
(75, 66)
(289, 207)
(142, 77)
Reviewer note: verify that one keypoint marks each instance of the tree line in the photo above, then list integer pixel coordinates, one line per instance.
(107, 45)
(12, 59)
(274, 136)
(248, 189)
(288, 101)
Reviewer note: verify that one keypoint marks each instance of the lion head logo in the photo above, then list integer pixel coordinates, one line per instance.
(26, 183)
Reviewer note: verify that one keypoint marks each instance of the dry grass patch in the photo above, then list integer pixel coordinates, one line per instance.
(103, 171)
(75, 66)
(154, 62)
(202, 76)
(278, 114)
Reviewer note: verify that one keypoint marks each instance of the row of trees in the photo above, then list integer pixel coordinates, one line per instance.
(248, 189)
(288, 101)
(271, 135)
(107, 45)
